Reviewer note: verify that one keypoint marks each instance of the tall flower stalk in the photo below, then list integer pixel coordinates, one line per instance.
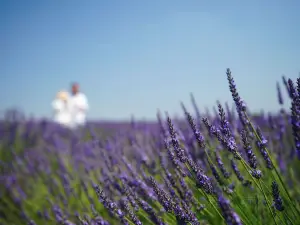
(241, 109)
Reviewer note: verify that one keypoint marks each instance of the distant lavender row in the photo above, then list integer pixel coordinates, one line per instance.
(228, 167)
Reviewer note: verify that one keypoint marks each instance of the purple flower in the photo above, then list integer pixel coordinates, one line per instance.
(240, 105)
(221, 166)
(276, 197)
(295, 115)
(279, 95)
(231, 217)
(248, 149)
(261, 144)
(237, 171)
(180, 152)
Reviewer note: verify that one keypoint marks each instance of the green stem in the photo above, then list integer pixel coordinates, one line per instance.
(292, 208)
(259, 182)
(241, 211)
(129, 221)
(211, 163)
(282, 221)
(211, 215)
(272, 161)
(288, 218)
(281, 181)
(141, 214)
(205, 194)
(208, 199)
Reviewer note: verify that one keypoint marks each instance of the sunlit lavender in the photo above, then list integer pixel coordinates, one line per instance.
(231, 167)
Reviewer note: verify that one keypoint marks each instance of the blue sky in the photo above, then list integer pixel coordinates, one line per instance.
(137, 56)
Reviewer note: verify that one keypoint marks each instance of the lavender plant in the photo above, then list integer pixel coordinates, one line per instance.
(215, 169)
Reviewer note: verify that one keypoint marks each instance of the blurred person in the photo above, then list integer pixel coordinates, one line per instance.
(62, 113)
(79, 106)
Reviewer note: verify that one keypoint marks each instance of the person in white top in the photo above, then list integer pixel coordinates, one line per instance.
(79, 106)
(62, 113)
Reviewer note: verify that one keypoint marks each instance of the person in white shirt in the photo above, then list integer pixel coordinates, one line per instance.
(62, 113)
(79, 106)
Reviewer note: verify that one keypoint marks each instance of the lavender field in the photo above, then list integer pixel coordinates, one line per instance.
(229, 167)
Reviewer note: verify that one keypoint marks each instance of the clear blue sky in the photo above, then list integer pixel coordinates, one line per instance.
(137, 56)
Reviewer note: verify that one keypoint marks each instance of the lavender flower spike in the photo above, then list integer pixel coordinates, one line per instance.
(276, 197)
(240, 105)
(295, 115)
(279, 94)
(261, 144)
(231, 217)
(180, 152)
(221, 166)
